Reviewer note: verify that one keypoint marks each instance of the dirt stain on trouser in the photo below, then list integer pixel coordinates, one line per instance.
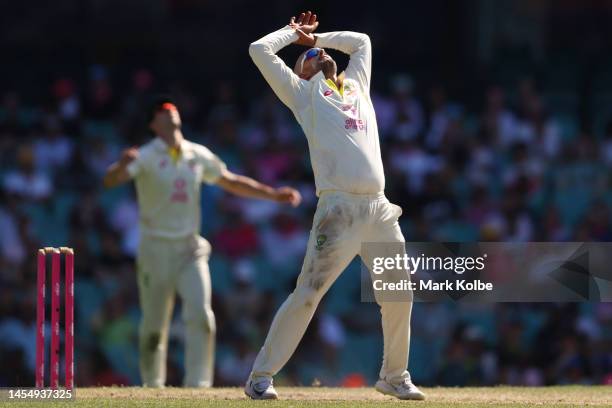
(341, 223)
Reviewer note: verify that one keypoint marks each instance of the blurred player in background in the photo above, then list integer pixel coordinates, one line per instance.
(172, 256)
(337, 116)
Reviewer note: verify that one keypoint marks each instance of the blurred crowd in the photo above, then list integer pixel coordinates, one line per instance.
(510, 169)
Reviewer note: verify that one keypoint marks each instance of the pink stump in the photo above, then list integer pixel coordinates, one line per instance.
(69, 319)
(55, 309)
(40, 320)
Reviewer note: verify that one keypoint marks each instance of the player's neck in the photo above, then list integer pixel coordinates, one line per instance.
(172, 138)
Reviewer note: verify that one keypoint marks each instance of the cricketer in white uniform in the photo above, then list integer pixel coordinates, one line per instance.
(338, 119)
(173, 257)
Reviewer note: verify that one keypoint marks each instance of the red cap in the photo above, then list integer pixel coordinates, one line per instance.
(167, 106)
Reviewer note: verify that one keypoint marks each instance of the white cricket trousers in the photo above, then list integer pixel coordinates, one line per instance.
(341, 223)
(165, 267)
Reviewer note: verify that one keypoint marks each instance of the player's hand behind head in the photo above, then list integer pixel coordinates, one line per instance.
(129, 155)
(288, 195)
(304, 26)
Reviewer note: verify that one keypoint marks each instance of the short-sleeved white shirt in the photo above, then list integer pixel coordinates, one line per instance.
(169, 191)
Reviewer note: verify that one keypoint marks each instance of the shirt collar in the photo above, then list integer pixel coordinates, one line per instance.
(162, 147)
(333, 86)
(319, 76)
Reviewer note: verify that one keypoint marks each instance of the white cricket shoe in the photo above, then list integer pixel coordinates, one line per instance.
(260, 388)
(405, 390)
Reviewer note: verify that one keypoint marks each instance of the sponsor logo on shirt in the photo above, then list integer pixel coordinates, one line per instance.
(179, 195)
(328, 92)
(355, 124)
(163, 163)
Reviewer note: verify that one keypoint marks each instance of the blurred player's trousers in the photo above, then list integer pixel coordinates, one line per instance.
(166, 267)
(341, 223)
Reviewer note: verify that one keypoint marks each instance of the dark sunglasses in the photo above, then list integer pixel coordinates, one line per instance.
(311, 53)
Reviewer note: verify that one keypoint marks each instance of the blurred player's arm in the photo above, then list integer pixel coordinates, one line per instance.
(215, 172)
(123, 170)
(284, 82)
(247, 187)
(358, 46)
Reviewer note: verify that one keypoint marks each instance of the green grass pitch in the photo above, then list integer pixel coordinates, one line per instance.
(558, 396)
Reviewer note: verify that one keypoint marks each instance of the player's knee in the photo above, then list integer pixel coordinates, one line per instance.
(210, 325)
(306, 297)
(201, 318)
(151, 342)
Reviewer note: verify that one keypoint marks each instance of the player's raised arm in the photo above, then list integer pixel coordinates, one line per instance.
(284, 82)
(123, 170)
(248, 187)
(358, 46)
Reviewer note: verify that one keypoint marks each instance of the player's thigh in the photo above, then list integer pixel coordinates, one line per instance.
(384, 240)
(155, 287)
(384, 226)
(194, 284)
(332, 244)
(387, 241)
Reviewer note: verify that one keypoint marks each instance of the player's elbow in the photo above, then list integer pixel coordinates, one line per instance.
(111, 179)
(359, 39)
(257, 50)
(115, 176)
(365, 39)
(108, 181)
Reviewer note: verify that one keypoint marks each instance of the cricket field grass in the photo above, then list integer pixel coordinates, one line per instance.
(558, 396)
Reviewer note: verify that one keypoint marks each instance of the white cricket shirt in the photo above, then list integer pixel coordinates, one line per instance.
(168, 190)
(340, 125)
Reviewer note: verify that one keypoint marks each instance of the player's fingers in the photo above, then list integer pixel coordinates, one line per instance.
(297, 199)
(307, 17)
(292, 20)
(312, 20)
(300, 18)
(315, 25)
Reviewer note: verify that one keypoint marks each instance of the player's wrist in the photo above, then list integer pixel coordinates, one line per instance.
(276, 194)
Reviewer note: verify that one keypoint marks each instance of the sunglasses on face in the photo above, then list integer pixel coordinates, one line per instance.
(311, 53)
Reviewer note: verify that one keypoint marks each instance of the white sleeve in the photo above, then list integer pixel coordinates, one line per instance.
(212, 165)
(358, 46)
(284, 82)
